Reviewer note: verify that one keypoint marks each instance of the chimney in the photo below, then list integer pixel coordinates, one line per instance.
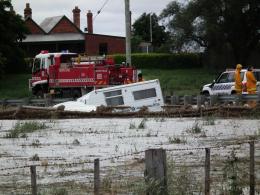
(27, 11)
(90, 22)
(76, 16)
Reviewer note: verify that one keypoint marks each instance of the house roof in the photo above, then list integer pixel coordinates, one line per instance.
(49, 23)
(54, 37)
(37, 26)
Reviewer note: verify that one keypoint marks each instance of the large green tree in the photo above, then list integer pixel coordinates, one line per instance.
(12, 31)
(142, 30)
(228, 28)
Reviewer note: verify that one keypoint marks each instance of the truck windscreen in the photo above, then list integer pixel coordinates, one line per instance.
(36, 65)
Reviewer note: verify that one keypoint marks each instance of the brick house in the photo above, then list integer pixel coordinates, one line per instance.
(60, 33)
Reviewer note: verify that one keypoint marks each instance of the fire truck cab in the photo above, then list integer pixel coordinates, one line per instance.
(71, 75)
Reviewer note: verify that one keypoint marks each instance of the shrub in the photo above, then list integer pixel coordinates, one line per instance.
(54, 191)
(176, 140)
(162, 61)
(142, 124)
(196, 128)
(20, 129)
(209, 120)
(132, 126)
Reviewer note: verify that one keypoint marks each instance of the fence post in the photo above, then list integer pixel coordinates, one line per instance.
(207, 172)
(213, 100)
(26, 101)
(48, 100)
(96, 176)
(187, 100)
(175, 100)
(258, 98)
(33, 179)
(155, 172)
(199, 101)
(238, 100)
(252, 168)
(4, 103)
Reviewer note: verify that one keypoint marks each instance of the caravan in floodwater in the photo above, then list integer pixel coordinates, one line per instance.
(135, 96)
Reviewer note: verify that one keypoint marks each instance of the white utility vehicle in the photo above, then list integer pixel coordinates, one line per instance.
(134, 96)
(225, 83)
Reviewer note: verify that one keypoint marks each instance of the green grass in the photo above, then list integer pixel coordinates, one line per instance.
(180, 81)
(20, 129)
(177, 81)
(14, 86)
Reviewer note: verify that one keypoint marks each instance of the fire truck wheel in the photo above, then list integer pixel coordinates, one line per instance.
(40, 93)
(76, 94)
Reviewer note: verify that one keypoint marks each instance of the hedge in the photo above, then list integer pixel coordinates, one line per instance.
(162, 61)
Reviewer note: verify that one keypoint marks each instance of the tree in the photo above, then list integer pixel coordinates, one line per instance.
(222, 27)
(141, 30)
(12, 31)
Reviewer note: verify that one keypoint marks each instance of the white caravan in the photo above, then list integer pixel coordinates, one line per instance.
(135, 96)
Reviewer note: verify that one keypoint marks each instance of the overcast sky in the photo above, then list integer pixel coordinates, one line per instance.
(110, 21)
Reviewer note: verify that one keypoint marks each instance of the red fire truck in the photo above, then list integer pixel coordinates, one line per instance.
(71, 75)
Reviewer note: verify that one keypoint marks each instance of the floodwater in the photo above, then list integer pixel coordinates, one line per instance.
(66, 149)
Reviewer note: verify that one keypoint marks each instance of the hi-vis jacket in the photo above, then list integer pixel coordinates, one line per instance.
(238, 82)
(250, 82)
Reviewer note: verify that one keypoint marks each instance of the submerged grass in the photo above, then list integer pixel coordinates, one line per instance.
(54, 191)
(20, 129)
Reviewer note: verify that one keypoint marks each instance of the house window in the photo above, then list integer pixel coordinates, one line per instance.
(114, 98)
(103, 49)
(144, 94)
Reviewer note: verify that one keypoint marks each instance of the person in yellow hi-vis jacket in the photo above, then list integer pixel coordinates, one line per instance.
(238, 79)
(140, 77)
(250, 81)
(251, 85)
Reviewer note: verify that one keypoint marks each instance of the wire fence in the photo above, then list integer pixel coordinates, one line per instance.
(230, 168)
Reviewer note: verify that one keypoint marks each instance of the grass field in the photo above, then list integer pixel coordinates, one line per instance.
(14, 86)
(180, 82)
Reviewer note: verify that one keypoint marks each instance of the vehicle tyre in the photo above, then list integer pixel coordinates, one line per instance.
(76, 93)
(233, 92)
(40, 93)
(205, 93)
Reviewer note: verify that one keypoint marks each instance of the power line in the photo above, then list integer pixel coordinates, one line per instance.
(99, 11)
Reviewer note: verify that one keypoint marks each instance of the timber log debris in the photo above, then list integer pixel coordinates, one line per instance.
(29, 112)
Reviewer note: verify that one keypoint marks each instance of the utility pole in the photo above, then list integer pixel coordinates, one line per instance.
(151, 29)
(128, 33)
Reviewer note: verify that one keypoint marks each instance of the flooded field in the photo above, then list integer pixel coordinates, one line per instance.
(64, 151)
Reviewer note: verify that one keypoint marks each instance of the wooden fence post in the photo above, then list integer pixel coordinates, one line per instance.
(175, 100)
(207, 172)
(213, 100)
(252, 168)
(199, 101)
(258, 98)
(33, 179)
(96, 176)
(187, 100)
(26, 101)
(155, 172)
(48, 100)
(239, 100)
